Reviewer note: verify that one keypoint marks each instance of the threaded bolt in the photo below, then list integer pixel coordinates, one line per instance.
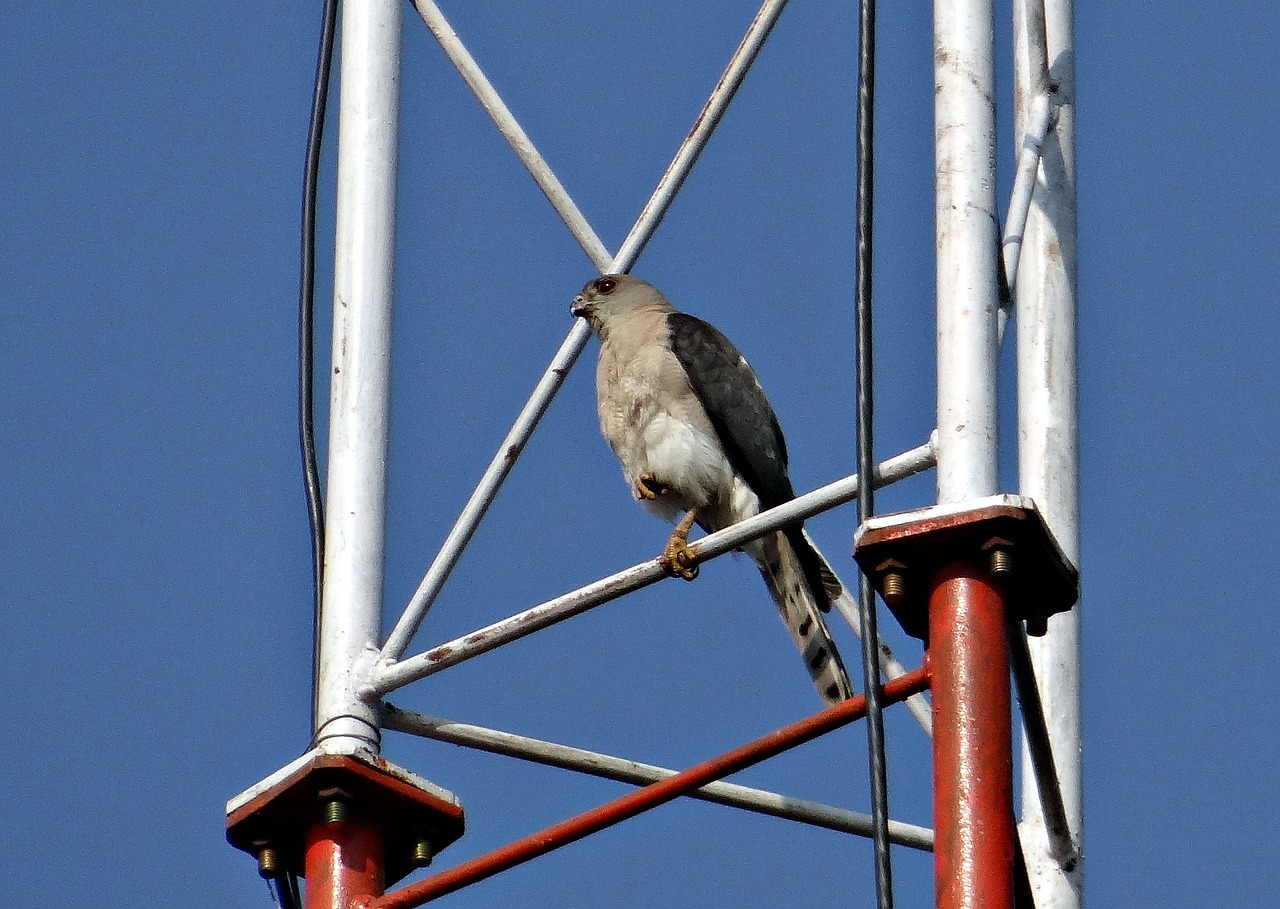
(268, 863)
(422, 853)
(335, 811)
(1001, 561)
(893, 587)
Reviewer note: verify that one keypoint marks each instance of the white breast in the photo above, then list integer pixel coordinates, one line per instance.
(656, 426)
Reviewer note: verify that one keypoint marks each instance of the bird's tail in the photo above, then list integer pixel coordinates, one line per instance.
(801, 607)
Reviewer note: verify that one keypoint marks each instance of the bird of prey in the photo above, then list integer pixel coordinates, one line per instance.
(686, 416)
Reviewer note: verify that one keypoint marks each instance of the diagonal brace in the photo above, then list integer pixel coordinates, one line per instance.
(565, 757)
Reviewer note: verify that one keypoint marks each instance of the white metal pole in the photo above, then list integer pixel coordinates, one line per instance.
(360, 383)
(1048, 453)
(967, 299)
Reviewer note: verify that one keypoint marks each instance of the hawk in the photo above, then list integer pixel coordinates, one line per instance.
(699, 442)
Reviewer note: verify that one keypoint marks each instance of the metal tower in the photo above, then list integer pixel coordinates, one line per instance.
(972, 575)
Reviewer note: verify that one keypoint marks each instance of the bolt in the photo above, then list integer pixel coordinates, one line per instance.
(268, 863)
(893, 587)
(422, 853)
(1001, 561)
(335, 811)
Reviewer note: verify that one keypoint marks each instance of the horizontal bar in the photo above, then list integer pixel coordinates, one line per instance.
(1040, 748)
(651, 796)
(386, 677)
(570, 349)
(621, 770)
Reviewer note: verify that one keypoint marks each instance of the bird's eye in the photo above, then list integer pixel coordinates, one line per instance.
(606, 285)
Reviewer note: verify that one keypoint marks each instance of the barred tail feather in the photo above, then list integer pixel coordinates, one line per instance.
(801, 611)
(839, 597)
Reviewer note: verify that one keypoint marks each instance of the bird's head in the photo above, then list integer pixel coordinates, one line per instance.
(608, 297)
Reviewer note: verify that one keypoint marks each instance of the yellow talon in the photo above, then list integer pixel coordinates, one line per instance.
(677, 557)
(650, 487)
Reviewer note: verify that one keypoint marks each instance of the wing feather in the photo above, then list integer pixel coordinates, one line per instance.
(731, 395)
(743, 418)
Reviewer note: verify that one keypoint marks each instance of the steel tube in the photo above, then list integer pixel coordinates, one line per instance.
(651, 796)
(1048, 427)
(1040, 750)
(514, 133)
(552, 754)
(1024, 183)
(972, 743)
(360, 388)
(705, 124)
(344, 865)
(967, 276)
(482, 496)
(386, 677)
(890, 666)
(650, 217)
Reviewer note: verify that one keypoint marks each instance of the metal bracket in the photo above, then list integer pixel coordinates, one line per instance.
(901, 553)
(416, 818)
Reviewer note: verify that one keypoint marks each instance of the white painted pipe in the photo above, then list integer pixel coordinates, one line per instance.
(967, 297)
(1048, 452)
(360, 385)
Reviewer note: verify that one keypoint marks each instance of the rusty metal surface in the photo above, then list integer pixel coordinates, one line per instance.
(973, 752)
(344, 865)
(405, 811)
(1040, 580)
(651, 796)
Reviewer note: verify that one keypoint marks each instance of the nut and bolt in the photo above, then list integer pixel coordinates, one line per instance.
(1001, 562)
(335, 811)
(268, 863)
(893, 587)
(422, 853)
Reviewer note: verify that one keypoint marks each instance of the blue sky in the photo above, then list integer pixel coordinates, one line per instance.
(156, 608)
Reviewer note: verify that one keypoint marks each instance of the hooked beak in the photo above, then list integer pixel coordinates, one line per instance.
(579, 306)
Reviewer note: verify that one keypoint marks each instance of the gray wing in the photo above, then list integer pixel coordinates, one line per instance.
(748, 428)
(736, 404)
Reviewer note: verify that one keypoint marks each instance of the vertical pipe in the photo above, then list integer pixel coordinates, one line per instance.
(968, 649)
(344, 865)
(964, 137)
(973, 763)
(1048, 453)
(360, 382)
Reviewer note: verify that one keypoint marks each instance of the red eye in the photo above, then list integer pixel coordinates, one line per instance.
(606, 285)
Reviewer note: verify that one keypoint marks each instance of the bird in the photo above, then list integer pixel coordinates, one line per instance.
(699, 442)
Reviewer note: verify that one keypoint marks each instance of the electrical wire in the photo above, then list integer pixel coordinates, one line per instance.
(866, 461)
(306, 332)
(283, 892)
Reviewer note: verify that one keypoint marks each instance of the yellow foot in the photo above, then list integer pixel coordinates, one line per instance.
(650, 487)
(677, 557)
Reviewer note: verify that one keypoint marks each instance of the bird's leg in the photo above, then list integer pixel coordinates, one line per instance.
(650, 487)
(676, 556)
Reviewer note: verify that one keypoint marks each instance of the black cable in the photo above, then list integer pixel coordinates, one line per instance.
(282, 893)
(866, 463)
(306, 332)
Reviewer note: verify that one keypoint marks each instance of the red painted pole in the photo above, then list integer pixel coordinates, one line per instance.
(972, 744)
(575, 828)
(344, 865)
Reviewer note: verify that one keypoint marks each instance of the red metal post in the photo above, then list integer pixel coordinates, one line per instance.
(972, 745)
(344, 865)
